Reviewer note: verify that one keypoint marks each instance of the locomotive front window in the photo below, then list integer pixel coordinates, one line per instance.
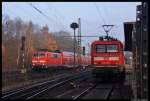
(106, 48)
(100, 48)
(112, 48)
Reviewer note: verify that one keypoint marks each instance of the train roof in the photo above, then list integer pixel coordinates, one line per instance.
(107, 40)
(47, 50)
(68, 53)
(113, 41)
(71, 53)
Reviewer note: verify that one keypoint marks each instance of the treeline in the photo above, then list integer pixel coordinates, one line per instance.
(37, 37)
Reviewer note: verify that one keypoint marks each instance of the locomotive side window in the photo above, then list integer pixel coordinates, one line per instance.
(100, 48)
(55, 56)
(112, 48)
(39, 55)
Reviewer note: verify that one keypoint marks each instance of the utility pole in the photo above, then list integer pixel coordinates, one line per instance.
(74, 26)
(79, 42)
(23, 54)
(88, 44)
(29, 43)
(140, 43)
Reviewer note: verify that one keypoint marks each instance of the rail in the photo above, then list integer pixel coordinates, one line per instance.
(36, 89)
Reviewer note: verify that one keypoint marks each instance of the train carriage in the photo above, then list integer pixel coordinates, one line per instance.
(68, 59)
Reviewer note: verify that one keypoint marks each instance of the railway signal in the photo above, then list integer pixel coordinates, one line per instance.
(23, 70)
(74, 26)
(83, 50)
(22, 43)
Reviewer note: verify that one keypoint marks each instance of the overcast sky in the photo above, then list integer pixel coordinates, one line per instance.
(62, 14)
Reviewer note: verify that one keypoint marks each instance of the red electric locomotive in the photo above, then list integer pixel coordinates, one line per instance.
(42, 59)
(107, 58)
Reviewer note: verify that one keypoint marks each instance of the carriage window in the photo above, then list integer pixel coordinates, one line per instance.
(112, 48)
(100, 48)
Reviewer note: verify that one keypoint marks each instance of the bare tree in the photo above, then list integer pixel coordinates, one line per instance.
(64, 40)
(10, 29)
(18, 27)
(37, 37)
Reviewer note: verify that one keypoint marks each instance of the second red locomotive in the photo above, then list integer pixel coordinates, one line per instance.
(43, 59)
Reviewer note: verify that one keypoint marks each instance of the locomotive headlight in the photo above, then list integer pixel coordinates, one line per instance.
(98, 58)
(113, 58)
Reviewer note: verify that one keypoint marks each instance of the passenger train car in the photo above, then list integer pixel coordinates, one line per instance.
(43, 59)
(107, 58)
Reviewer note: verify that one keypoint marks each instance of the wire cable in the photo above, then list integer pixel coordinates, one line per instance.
(58, 19)
(47, 17)
(98, 10)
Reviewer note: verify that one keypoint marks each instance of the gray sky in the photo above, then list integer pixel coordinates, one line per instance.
(62, 14)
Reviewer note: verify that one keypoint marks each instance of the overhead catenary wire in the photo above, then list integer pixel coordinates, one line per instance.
(107, 14)
(26, 14)
(110, 21)
(33, 15)
(99, 13)
(57, 18)
(87, 23)
(39, 11)
(104, 25)
(64, 18)
(42, 13)
(60, 14)
(91, 29)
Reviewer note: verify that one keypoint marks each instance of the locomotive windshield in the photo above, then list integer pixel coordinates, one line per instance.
(111, 48)
(106, 48)
(100, 48)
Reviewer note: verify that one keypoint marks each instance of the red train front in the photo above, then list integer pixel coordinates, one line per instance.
(45, 59)
(107, 57)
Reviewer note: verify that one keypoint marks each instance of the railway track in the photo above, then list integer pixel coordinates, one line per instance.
(85, 90)
(6, 93)
(39, 88)
(107, 93)
(89, 92)
(59, 88)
